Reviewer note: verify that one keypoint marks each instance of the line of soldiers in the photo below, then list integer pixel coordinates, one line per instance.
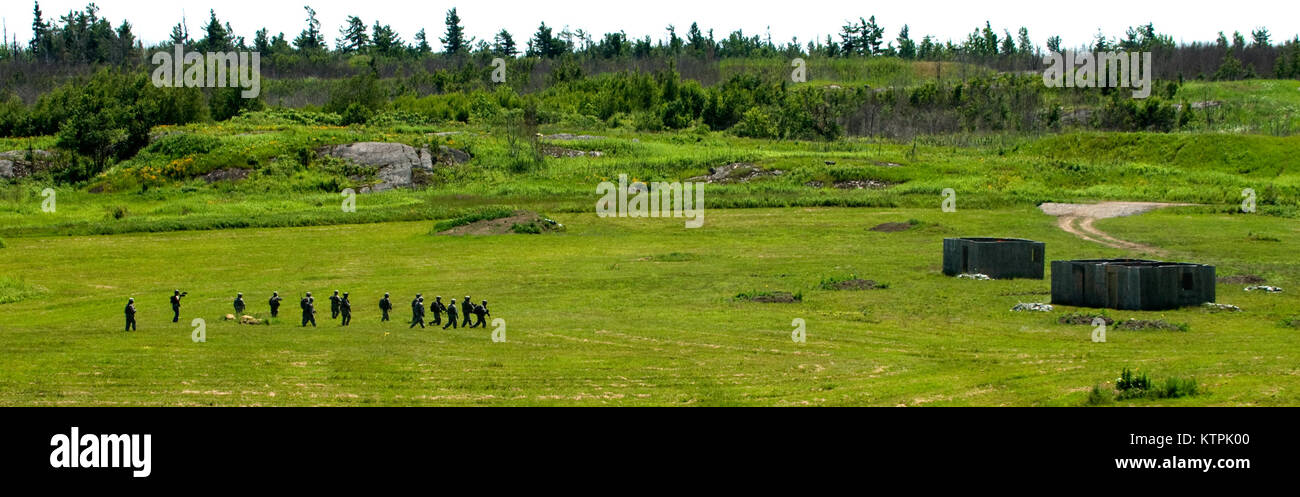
(341, 306)
(468, 309)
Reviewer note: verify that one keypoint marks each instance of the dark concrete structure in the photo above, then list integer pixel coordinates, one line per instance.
(999, 258)
(1131, 284)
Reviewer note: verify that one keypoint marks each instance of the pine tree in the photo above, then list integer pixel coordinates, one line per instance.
(422, 43)
(504, 44)
(352, 37)
(311, 39)
(454, 41)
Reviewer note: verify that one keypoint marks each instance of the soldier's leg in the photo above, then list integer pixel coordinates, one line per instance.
(466, 322)
(176, 314)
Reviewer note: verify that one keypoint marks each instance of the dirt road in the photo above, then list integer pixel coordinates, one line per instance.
(1077, 220)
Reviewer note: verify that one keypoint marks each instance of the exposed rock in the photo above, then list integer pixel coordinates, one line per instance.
(22, 163)
(569, 136)
(567, 153)
(738, 172)
(856, 184)
(228, 174)
(395, 163)
(1033, 307)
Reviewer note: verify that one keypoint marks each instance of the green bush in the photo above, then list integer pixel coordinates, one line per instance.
(756, 123)
(480, 214)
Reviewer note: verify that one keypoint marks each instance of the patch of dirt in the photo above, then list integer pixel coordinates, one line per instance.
(503, 226)
(1242, 279)
(773, 298)
(867, 184)
(737, 172)
(1142, 324)
(228, 174)
(1084, 319)
(855, 284)
(891, 227)
(1077, 220)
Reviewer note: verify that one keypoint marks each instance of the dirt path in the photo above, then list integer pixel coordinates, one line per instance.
(1077, 220)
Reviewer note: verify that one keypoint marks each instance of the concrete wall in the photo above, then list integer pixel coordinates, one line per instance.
(999, 258)
(1129, 284)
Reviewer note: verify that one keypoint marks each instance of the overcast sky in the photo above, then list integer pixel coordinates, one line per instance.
(1075, 22)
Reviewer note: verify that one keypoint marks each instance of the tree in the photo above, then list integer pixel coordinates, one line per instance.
(906, 47)
(872, 36)
(180, 34)
(41, 44)
(387, 42)
(1054, 44)
(545, 45)
(262, 44)
(311, 39)
(352, 36)
(1025, 46)
(454, 41)
(503, 44)
(216, 37)
(422, 43)
(1260, 37)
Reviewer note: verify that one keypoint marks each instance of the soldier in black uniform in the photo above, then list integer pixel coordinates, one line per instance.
(130, 314)
(438, 308)
(176, 305)
(466, 308)
(239, 304)
(345, 309)
(451, 315)
(334, 305)
(481, 311)
(417, 311)
(275, 303)
(385, 305)
(308, 305)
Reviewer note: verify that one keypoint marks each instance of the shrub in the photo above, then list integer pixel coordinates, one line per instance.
(480, 214)
(1100, 396)
(356, 114)
(756, 123)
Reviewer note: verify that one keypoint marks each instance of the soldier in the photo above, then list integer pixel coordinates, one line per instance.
(466, 308)
(275, 303)
(239, 304)
(130, 314)
(334, 305)
(481, 311)
(385, 305)
(345, 309)
(438, 308)
(308, 305)
(176, 305)
(451, 315)
(417, 311)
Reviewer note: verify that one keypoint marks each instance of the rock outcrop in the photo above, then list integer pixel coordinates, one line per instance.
(395, 163)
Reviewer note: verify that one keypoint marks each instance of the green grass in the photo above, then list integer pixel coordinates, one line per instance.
(590, 321)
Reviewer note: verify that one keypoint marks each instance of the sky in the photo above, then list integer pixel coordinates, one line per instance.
(1076, 22)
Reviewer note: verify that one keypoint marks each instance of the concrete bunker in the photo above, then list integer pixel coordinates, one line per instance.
(999, 258)
(1131, 284)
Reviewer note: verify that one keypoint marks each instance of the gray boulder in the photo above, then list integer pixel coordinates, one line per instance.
(21, 163)
(395, 163)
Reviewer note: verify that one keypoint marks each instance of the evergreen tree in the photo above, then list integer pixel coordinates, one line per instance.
(352, 36)
(504, 44)
(906, 47)
(311, 39)
(454, 41)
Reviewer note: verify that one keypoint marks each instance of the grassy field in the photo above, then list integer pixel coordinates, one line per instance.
(632, 312)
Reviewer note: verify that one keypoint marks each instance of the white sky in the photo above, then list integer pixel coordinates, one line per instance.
(1075, 22)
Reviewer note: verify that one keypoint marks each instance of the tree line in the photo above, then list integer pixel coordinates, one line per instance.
(85, 37)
